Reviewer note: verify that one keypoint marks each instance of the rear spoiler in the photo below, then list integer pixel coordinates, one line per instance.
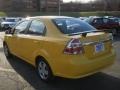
(84, 34)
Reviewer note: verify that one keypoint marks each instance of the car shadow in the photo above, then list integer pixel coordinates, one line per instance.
(99, 81)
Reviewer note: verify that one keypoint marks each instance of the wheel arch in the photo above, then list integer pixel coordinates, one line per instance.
(38, 58)
(42, 58)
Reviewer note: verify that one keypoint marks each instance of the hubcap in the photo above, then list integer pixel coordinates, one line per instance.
(6, 50)
(43, 70)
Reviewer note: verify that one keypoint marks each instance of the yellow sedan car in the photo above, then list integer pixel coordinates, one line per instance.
(60, 46)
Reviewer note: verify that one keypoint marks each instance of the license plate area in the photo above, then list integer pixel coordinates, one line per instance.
(99, 47)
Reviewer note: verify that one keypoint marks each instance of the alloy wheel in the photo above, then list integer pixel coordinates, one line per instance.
(43, 70)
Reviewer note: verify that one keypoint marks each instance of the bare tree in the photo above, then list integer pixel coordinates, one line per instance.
(38, 2)
(18, 5)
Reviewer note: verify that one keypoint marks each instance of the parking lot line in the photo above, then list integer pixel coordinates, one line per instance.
(7, 70)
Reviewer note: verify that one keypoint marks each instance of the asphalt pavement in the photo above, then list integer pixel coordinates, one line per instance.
(16, 74)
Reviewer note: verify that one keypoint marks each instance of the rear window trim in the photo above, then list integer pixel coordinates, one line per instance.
(78, 33)
(53, 20)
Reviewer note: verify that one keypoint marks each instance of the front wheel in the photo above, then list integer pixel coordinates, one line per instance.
(44, 71)
(6, 51)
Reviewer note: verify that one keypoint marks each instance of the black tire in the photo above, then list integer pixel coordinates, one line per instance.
(44, 71)
(6, 50)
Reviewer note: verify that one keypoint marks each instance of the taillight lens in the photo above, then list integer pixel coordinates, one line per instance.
(74, 47)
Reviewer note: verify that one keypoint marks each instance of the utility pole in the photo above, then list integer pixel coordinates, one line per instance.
(38, 2)
(59, 6)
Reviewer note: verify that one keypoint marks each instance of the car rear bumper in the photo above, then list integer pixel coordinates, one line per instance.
(82, 68)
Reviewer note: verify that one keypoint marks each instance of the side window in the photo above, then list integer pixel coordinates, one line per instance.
(21, 27)
(97, 21)
(105, 20)
(37, 28)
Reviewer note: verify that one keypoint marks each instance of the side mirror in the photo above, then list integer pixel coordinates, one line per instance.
(7, 32)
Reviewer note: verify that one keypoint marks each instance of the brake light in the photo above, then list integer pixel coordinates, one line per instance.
(74, 47)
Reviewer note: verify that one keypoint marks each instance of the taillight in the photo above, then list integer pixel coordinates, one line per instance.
(74, 47)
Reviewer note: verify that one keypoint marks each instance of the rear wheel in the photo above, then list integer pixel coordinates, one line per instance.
(44, 71)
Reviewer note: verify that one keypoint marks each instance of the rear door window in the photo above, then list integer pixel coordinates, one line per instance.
(105, 20)
(98, 21)
(37, 28)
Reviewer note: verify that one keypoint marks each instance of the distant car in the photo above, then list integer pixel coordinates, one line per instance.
(83, 18)
(60, 46)
(9, 23)
(108, 16)
(102, 23)
(119, 21)
(1, 20)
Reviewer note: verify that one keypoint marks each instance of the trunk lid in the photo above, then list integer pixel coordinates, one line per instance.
(96, 44)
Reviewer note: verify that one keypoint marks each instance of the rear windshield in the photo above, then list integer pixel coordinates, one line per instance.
(72, 25)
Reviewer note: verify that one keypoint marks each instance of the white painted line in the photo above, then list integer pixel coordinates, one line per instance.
(7, 70)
